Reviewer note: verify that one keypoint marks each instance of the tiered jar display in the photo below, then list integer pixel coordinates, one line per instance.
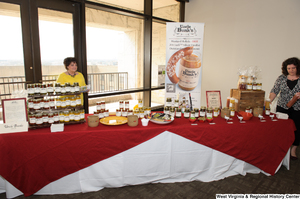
(54, 103)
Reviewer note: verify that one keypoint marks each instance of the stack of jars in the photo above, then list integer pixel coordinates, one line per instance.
(46, 103)
(50, 89)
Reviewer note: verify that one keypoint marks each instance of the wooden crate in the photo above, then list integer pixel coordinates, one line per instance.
(247, 98)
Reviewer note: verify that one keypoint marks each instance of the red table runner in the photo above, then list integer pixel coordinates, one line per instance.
(33, 159)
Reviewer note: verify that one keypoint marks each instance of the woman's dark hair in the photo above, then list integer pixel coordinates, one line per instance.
(68, 61)
(289, 61)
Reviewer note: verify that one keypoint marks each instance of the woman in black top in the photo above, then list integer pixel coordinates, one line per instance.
(288, 84)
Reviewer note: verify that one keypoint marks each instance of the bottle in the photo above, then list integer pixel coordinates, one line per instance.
(196, 112)
(178, 112)
(202, 111)
(209, 112)
(186, 113)
(232, 111)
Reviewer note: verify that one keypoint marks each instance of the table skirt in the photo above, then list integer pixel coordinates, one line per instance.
(166, 158)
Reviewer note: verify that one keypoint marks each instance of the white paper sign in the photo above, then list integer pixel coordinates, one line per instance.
(57, 127)
(14, 127)
(14, 110)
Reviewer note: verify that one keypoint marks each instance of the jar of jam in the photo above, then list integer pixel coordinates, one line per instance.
(259, 86)
(142, 113)
(72, 116)
(168, 102)
(72, 89)
(76, 87)
(136, 112)
(124, 113)
(52, 103)
(43, 90)
(254, 86)
(50, 89)
(63, 89)
(30, 89)
(82, 114)
(209, 112)
(249, 86)
(196, 112)
(102, 105)
(267, 111)
(36, 104)
(167, 110)
(63, 102)
(202, 111)
(56, 117)
(46, 103)
(126, 104)
(192, 113)
(57, 88)
(140, 103)
(61, 117)
(50, 118)
(148, 111)
(68, 87)
(186, 113)
(78, 100)
(73, 102)
(118, 112)
(98, 106)
(101, 114)
(176, 103)
(106, 113)
(39, 119)
(232, 111)
(216, 112)
(45, 118)
(178, 112)
(172, 112)
(30, 104)
(67, 116)
(130, 112)
(76, 116)
(58, 102)
(37, 89)
(32, 119)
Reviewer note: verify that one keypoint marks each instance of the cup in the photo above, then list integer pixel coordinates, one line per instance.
(145, 122)
(93, 120)
(133, 120)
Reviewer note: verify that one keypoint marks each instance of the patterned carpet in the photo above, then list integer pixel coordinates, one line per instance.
(283, 182)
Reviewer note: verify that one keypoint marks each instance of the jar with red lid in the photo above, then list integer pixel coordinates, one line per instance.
(46, 103)
(30, 89)
(50, 118)
(45, 118)
(32, 119)
(30, 104)
(52, 103)
(50, 89)
(37, 89)
(43, 90)
(36, 104)
(39, 119)
(126, 104)
(121, 104)
(56, 117)
(106, 113)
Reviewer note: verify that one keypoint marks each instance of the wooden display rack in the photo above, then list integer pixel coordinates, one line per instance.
(247, 98)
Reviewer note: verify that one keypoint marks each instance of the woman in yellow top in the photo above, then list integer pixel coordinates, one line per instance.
(71, 75)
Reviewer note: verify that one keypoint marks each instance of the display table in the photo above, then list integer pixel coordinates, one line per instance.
(32, 160)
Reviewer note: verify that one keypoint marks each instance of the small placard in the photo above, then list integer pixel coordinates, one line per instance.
(14, 110)
(14, 127)
(57, 127)
(213, 99)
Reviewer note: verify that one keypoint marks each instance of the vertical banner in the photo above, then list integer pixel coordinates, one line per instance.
(184, 63)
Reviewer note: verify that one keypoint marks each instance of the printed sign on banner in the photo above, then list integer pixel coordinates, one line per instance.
(184, 63)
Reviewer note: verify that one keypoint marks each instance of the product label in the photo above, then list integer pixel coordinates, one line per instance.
(188, 77)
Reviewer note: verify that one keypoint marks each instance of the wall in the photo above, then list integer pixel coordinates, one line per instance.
(260, 33)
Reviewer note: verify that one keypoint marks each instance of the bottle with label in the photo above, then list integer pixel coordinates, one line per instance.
(186, 113)
(209, 112)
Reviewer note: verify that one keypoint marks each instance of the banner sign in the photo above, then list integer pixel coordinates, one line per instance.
(184, 63)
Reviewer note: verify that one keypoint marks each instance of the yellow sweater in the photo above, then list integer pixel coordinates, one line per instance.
(64, 78)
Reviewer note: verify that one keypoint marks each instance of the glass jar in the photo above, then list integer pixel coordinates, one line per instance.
(103, 105)
(254, 86)
(77, 116)
(68, 102)
(130, 112)
(118, 112)
(249, 86)
(76, 87)
(45, 118)
(43, 90)
(37, 89)
(52, 103)
(98, 106)
(47, 103)
(168, 102)
(121, 104)
(141, 113)
(58, 103)
(259, 86)
(106, 113)
(78, 100)
(63, 89)
(196, 112)
(192, 113)
(32, 119)
(30, 89)
(140, 103)
(39, 119)
(36, 104)
(101, 114)
(63, 102)
(56, 117)
(30, 104)
(82, 114)
(61, 117)
(41, 103)
(67, 116)
(126, 104)
(267, 111)
(72, 116)
(167, 110)
(232, 102)
(72, 89)
(216, 112)
(73, 102)
(57, 88)
(202, 111)
(124, 113)
(68, 87)
(232, 111)
(186, 113)
(176, 103)
(248, 109)
(50, 118)
(172, 112)
(178, 112)
(209, 112)
(136, 112)
(50, 89)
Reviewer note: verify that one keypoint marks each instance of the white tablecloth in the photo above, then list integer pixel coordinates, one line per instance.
(165, 158)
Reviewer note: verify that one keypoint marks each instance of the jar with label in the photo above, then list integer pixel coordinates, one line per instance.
(50, 89)
(82, 114)
(126, 104)
(168, 102)
(142, 113)
(50, 118)
(172, 112)
(267, 103)
(72, 116)
(130, 112)
(121, 104)
(106, 113)
(136, 112)
(101, 114)
(52, 103)
(58, 103)
(118, 112)
(45, 118)
(78, 100)
(140, 103)
(56, 117)
(259, 86)
(39, 119)
(32, 119)
(148, 110)
(77, 116)
(232, 102)
(61, 117)
(183, 106)
(196, 112)
(30, 104)
(30, 89)
(57, 88)
(63, 89)
(73, 102)
(186, 113)
(47, 103)
(76, 87)
(242, 82)
(176, 103)
(192, 114)
(124, 113)
(43, 90)
(249, 86)
(248, 109)
(202, 111)
(267, 111)
(209, 112)
(67, 116)
(178, 112)
(254, 86)
(41, 103)
(216, 112)
(102, 105)
(68, 87)
(37, 89)
(167, 110)
(68, 102)
(63, 102)
(36, 104)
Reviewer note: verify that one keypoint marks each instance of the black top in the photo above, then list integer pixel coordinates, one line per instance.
(291, 84)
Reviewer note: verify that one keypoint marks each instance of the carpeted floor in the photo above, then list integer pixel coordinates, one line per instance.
(283, 182)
